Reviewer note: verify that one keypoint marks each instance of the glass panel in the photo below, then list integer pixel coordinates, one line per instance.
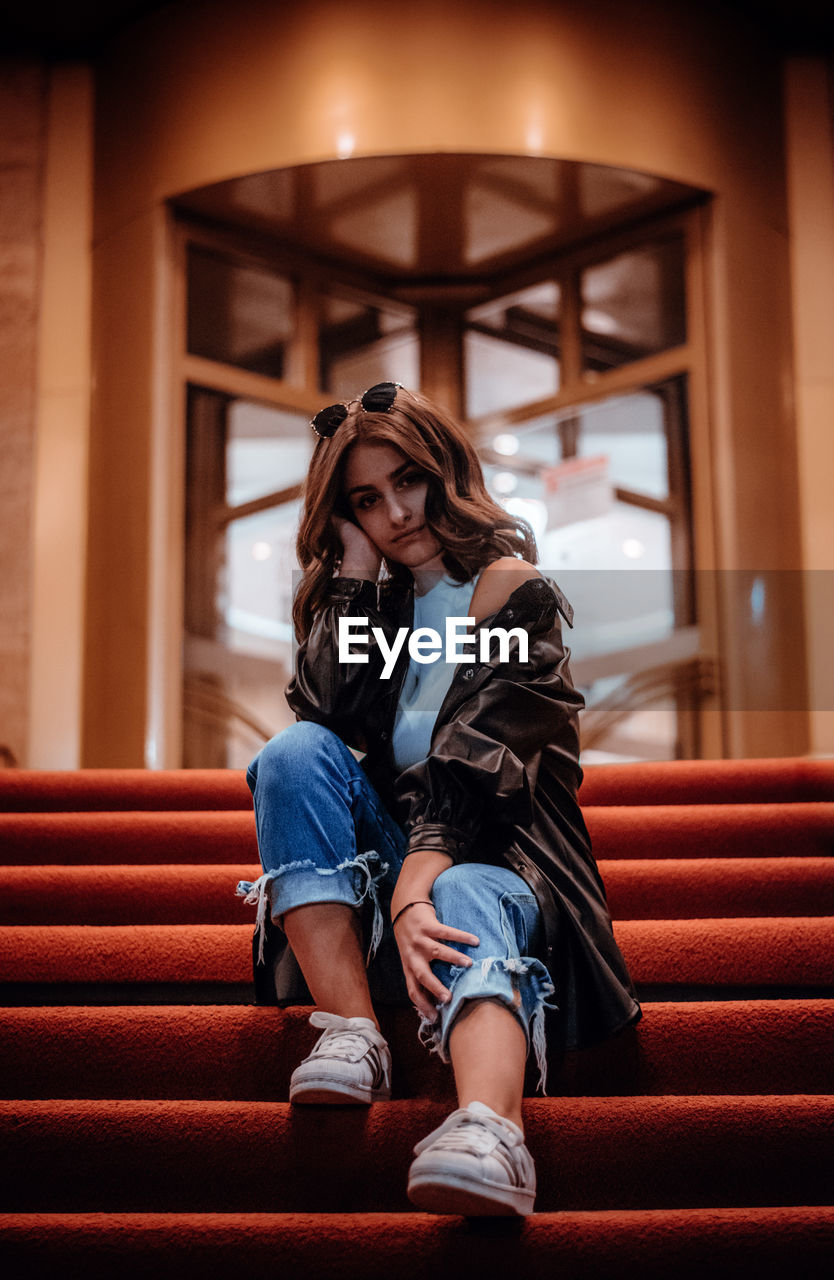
(604, 190)
(535, 311)
(266, 450)
(239, 314)
(616, 569)
(255, 595)
(630, 433)
(382, 224)
(511, 349)
(500, 218)
(360, 345)
(237, 649)
(234, 681)
(633, 305)
(500, 375)
(634, 639)
(632, 602)
(529, 445)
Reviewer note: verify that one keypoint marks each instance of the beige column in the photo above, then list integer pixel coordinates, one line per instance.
(62, 430)
(809, 134)
(22, 112)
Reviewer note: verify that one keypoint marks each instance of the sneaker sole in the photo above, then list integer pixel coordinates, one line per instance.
(323, 1092)
(450, 1194)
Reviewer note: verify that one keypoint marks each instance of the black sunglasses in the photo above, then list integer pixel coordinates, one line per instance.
(377, 399)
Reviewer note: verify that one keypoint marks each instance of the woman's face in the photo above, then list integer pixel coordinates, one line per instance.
(387, 496)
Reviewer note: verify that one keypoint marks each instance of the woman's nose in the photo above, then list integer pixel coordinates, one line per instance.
(398, 512)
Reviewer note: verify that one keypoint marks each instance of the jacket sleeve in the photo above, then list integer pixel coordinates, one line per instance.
(341, 695)
(499, 718)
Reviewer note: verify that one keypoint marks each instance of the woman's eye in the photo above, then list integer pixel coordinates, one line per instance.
(412, 477)
(366, 502)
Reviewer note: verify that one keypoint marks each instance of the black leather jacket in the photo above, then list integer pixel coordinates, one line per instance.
(499, 784)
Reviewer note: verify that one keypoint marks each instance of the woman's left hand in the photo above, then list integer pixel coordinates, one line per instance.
(421, 938)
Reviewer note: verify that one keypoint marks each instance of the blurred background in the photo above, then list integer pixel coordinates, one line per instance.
(601, 233)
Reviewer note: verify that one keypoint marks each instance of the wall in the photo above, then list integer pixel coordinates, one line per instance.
(206, 91)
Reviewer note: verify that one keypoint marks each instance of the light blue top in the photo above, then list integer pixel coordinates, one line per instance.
(426, 684)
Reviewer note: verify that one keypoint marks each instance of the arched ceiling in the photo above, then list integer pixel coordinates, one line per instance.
(429, 218)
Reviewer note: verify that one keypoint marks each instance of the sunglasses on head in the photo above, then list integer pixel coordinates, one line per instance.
(377, 399)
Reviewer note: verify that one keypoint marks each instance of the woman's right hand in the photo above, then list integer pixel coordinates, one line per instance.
(421, 938)
(361, 557)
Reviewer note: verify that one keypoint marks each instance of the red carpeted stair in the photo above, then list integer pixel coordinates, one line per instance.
(145, 1128)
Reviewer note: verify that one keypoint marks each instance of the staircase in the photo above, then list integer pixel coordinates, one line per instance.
(146, 1131)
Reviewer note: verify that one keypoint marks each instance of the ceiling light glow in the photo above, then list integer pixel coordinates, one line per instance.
(345, 146)
(504, 482)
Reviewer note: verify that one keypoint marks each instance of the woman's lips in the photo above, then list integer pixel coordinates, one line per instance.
(403, 537)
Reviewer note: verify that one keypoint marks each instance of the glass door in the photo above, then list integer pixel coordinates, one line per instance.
(573, 374)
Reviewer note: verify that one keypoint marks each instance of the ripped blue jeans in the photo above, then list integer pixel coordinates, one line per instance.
(325, 836)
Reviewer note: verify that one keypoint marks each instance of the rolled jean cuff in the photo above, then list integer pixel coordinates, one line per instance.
(303, 882)
(521, 983)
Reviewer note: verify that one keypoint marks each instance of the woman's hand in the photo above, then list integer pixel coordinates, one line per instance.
(361, 558)
(421, 938)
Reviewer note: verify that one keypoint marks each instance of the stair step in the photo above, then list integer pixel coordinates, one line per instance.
(787, 950)
(192, 894)
(618, 832)
(760, 781)
(656, 831)
(756, 781)
(662, 1151)
(686, 888)
(590, 1153)
(58, 790)
(78, 839)
(636, 1244)
(244, 1052)
(180, 893)
(795, 950)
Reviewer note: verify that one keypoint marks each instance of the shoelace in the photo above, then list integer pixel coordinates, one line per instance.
(478, 1134)
(345, 1042)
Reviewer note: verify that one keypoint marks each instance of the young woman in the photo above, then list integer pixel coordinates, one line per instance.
(451, 866)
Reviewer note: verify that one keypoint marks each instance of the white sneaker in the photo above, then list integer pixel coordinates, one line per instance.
(351, 1063)
(475, 1163)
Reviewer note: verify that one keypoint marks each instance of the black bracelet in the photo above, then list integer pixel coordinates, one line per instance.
(418, 902)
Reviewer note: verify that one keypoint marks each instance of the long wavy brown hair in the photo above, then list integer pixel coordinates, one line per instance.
(470, 526)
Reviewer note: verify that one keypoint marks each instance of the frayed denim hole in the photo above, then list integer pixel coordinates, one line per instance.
(512, 966)
(257, 892)
(429, 1036)
(543, 989)
(254, 892)
(514, 923)
(361, 863)
(536, 979)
